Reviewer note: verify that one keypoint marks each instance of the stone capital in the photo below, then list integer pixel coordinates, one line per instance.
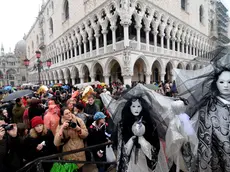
(107, 75)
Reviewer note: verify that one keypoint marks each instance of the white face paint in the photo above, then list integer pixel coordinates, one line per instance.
(223, 83)
(136, 108)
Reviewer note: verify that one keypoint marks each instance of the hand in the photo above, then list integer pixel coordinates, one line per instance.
(65, 125)
(99, 154)
(2, 133)
(78, 128)
(133, 137)
(39, 147)
(14, 131)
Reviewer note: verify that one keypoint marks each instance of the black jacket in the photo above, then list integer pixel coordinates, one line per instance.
(11, 154)
(91, 110)
(31, 143)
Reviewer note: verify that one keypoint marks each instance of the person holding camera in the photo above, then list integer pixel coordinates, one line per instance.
(10, 157)
(70, 134)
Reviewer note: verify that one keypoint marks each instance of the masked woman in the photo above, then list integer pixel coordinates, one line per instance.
(211, 116)
(140, 121)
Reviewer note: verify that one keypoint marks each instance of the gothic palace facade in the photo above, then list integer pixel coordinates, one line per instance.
(126, 40)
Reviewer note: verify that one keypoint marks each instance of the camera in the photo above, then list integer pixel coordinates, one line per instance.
(72, 124)
(7, 127)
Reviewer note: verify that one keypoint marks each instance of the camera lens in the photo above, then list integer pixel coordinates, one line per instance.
(72, 124)
(9, 127)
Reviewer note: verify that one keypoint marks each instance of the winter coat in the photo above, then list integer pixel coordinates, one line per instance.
(91, 110)
(32, 141)
(97, 132)
(51, 119)
(72, 140)
(18, 111)
(98, 135)
(11, 154)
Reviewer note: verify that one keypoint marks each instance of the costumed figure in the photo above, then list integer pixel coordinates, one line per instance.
(180, 134)
(209, 95)
(141, 117)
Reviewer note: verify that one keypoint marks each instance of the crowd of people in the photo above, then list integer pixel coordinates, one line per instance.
(40, 125)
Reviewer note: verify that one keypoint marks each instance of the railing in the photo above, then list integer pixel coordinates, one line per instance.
(120, 46)
(53, 159)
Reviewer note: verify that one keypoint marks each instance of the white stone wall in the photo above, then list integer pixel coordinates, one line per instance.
(190, 16)
(173, 25)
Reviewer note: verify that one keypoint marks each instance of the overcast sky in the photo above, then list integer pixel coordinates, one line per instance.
(17, 17)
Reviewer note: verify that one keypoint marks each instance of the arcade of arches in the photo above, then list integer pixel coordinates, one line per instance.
(114, 71)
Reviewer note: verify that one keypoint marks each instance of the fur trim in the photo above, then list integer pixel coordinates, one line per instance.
(34, 134)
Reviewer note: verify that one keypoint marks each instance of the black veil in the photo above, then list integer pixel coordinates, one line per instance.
(159, 106)
(198, 86)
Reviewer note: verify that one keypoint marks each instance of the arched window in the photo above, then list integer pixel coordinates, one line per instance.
(66, 10)
(201, 14)
(184, 5)
(51, 26)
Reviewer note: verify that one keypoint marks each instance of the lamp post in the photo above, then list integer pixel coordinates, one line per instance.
(26, 63)
(39, 65)
(38, 55)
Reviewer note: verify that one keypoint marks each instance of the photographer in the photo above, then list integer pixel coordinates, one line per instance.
(70, 134)
(10, 147)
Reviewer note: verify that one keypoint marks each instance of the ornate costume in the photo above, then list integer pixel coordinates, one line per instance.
(210, 113)
(141, 117)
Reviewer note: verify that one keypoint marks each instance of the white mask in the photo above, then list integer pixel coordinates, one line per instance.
(136, 108)
(223, 83)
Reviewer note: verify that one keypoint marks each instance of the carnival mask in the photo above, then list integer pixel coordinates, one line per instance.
(223, 83)
(136, 108)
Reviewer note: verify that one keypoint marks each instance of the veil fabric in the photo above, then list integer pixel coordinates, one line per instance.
(159, 106)
(195, 85)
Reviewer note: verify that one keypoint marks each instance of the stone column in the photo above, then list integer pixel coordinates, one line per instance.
(75, 50)
(163, 77)
(73, 80)
(106, 79)
(82, 80)
(90, 46)
(126, 35)
(168, 42)
(148, 78)
(71, 52)
(113, 28)
(147, 38)
(66, 80)
(155, 41)
(64, 54)
(127, 80)
(178, 45)
(79, 47)
(97, 43)
(173, 44)
(182, 47)
(186, 48)
(92, 78)
(105, 40)
(84, 42)
(138, 29)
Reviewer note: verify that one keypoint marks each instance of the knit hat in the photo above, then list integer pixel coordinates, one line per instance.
(99, 115)
(36, 121)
